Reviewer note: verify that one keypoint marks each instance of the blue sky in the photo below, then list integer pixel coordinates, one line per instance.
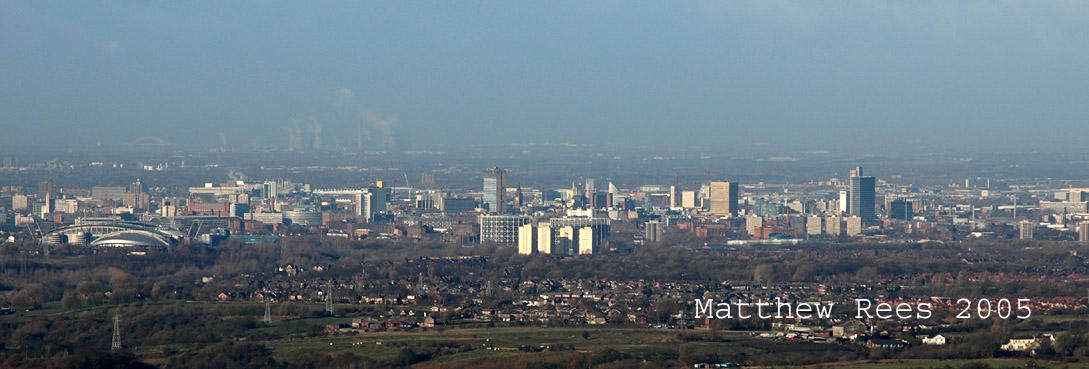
(720, 75)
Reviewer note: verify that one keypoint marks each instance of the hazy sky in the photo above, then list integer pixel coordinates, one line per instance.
(728, 75)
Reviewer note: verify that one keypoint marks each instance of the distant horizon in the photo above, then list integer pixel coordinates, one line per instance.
(547, 167)
(765, 152)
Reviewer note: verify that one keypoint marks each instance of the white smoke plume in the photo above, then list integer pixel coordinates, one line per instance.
(372, 127)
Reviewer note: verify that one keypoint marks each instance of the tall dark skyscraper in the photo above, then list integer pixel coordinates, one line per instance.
(900, 209)
(862, 196)
(495, 183)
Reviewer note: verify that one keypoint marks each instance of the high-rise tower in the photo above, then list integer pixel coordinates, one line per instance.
(862, 196)
(47, 189)
(724, 198)
(495, 183)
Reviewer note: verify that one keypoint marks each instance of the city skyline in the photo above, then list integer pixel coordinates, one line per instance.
(527, 185)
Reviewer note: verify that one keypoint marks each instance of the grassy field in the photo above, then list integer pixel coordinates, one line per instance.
(507, 342)
(290, 336)
(956, 363)
(502, 344)
(1053, 318)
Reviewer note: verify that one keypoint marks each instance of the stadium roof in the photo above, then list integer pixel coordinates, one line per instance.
(130, 238)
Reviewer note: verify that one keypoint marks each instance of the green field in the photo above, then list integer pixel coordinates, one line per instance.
(465, 343)
(954, 363)
(512, 342)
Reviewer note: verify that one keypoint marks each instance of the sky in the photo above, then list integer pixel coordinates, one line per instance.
(727, 76)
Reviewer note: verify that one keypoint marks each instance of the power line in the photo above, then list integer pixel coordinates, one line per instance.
(116, 343)
(329, 298)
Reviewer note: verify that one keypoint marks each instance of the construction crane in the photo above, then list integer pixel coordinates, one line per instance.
(34, 230)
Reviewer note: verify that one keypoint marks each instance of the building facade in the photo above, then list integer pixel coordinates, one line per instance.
(901, 210)
(724, 198)
(527, 239)
(495, 184)
(862, 196)
(501, 228)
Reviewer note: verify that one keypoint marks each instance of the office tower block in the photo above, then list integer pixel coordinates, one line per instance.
(501, 228)
(1027, 228)
(576, 221)
(653, 232)
(372, 201)
(844, 201)
(364, 204)
(862, 196)
(588, 244)
(1083, 232)
(136, 187)
(495, 184)
(527, 239)
(1079, 195)
(46, 207)
(673, 200)
(238, 209)
(752, 222)
(20, 202)
(70, 206)
(723, 198)
(169, 208)
(814, 225)
(600, 200)
(270, 190)
(47, 189)
(425, 200)
(854, 225)
(796, 224)
(135, 197)
(901, 210)
(546, 243)
(454, 204)
(566, 240)
(688, 199)
(833, 226)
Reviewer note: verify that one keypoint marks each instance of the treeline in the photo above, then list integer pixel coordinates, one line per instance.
(81, 277)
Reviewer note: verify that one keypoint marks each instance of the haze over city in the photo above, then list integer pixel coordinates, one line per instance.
(722, 77)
